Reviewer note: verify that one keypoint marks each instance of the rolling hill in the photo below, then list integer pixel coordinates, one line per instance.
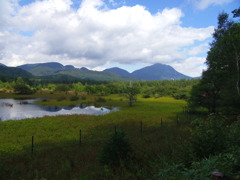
(14, 72)
(57, 70)
(118, 71)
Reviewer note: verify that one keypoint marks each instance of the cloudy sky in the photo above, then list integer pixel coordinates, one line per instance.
(99, 34)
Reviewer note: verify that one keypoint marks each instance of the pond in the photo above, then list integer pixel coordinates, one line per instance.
(11, 109)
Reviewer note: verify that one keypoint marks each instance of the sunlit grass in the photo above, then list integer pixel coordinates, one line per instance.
(56, 139)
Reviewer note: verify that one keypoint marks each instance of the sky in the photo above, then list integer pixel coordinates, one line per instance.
(100, 34)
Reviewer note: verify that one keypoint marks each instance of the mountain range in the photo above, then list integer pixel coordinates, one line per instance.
(53, 70)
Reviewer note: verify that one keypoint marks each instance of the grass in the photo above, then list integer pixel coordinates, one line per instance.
(58, 155)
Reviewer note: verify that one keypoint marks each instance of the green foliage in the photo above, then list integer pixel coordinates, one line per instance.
(205, 94)
(234, 135)
(209, 136)
(201, 170)
(116, 151)
(62, 87)
(51, 86)
(131, 93)
(220, 87)
(19, 87)
(89, 89)
(78, 87)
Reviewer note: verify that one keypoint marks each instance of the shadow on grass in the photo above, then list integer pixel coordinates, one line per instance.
(71, 160)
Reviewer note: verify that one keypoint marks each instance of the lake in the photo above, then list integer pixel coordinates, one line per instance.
(11, 109)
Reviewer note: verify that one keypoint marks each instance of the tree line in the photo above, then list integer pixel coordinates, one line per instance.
(179, 89)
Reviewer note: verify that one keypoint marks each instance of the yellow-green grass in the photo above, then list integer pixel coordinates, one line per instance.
(56, 139)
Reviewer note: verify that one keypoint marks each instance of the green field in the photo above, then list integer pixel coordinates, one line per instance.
(58, 155)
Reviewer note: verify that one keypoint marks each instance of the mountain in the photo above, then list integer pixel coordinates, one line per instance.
(2, 64)
(84, 69)
(69, 67)
(53, 69)
(14, 72)
(93, 75)
(158, 72)
(56, 70)
(155, 72)
(52, 65)
(118, 71)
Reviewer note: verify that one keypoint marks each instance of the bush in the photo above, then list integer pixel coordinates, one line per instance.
(146, 95)
(116, 151)
(22, 89)
(209, 136)
(201, 170)
(234, 136)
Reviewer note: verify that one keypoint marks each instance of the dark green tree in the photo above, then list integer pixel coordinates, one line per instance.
(62, 87)
(117, 150)
(19, 87)
(219, 87)
(131, 94)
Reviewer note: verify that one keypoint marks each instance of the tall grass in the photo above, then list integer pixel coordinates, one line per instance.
(58, 155)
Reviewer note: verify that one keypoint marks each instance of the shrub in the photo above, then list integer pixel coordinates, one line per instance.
(22, 89)
(117, 150)
(146, 95)
(209, 136)
(201, 170)
(234, 136)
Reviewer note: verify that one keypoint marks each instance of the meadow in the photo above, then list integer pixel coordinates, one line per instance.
(150, 125)
(156, 138)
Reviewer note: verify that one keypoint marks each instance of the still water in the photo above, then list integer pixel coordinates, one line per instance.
(11, 109)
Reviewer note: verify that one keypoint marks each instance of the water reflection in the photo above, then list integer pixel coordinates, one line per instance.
(11, 109)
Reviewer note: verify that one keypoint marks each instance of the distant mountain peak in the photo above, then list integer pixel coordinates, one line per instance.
(118, 71)
(53, 65)
(69, 67)
(84, 69)
(2, 64)
(158, 71)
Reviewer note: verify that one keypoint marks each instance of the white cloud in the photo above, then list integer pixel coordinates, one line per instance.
(196, 50)
(192, 66)
(203, 4)
(94, 35)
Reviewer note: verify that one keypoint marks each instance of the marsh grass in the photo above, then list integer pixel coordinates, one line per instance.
(58, 155)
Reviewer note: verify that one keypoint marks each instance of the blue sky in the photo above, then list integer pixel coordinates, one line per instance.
(100, 34)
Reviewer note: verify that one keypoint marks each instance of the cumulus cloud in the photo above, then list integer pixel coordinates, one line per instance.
(203, 4)
(95, 35)
(192, 66)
